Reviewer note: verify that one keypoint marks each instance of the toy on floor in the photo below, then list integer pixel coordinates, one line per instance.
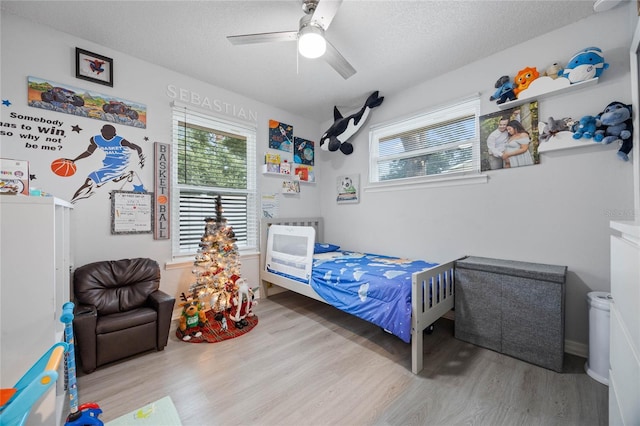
(85, 414)
(192, 317)
(17, 402)
(242, 304)
(616, 125)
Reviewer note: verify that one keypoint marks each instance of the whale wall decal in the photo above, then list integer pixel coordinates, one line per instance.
(338, 135)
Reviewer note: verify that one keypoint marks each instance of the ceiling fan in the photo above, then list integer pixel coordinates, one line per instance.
(310, 35)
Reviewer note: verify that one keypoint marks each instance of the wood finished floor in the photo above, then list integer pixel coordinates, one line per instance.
(306, 363)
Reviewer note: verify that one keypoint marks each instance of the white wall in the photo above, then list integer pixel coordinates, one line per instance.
(557, 212)
(33, 50)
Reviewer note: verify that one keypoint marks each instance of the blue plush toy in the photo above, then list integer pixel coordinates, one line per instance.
(505, 90)
(586, 127)
(585, 65)
(616, 125)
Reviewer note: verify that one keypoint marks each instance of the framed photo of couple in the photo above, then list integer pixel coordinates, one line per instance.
(509, 138)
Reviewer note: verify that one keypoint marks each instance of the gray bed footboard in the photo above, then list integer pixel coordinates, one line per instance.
(432, 296)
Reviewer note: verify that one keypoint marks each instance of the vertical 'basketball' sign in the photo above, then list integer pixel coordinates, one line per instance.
(162, 206)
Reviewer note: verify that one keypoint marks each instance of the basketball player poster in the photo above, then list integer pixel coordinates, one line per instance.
(115, 165)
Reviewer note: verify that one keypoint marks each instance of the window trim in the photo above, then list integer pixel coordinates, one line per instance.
(437, 114)
(427, 182)
(245, 129)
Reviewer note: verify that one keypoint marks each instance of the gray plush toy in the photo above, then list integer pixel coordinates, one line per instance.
(553, 127)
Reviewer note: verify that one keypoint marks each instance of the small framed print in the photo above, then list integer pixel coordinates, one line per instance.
(348, 189)
(93, 67)
(131, 212)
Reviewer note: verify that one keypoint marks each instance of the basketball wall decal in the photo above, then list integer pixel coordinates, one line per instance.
(63, 167)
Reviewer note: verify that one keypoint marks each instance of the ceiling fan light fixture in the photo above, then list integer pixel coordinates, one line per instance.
(604, 5)
(311, 42)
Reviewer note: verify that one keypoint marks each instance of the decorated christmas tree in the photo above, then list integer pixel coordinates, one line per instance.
(217, 265)
(220, 301)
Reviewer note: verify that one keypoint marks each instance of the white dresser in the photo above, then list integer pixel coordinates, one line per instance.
(35, 263)
(624, 353)
(624, 373)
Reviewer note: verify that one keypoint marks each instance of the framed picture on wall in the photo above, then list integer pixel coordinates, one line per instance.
(303, 151)
(93, 67)
(348, 189)
(509, 138)
(280, 136)
(87, 103)
(131, 212)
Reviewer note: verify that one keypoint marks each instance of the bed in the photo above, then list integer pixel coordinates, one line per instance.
(287, 260)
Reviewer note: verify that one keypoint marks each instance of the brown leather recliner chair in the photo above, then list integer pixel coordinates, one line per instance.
(119, 311)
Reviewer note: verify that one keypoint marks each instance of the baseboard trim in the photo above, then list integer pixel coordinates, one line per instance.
(576, 348)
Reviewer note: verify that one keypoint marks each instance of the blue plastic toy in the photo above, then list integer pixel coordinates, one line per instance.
(85, 414)
(32, 386)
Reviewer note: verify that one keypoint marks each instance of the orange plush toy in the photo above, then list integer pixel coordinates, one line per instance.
(524, 78)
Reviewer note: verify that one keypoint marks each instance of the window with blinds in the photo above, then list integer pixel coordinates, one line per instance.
(437, 143)
(212, 157)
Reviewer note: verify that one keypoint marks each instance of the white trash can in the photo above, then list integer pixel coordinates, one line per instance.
(597, 365)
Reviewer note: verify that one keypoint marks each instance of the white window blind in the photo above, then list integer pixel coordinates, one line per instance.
(212, 157)
(436, 143)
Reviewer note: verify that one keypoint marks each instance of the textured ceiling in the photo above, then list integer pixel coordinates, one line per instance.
(392, 44)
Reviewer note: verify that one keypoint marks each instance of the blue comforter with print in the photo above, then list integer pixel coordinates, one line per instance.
(372, 287)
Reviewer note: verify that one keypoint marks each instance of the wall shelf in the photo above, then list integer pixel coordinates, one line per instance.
(286, 176)
(564, 140)
(544, 87)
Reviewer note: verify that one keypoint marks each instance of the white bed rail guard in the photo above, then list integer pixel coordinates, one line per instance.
(267, 278)
(432, 296)
(290, 250)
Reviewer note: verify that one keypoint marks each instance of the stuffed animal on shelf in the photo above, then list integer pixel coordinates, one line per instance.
(586, 127)
(552, 127)
(504, 90)
(524, 78)
(616, 125)
(585, 65)
(554, 70)
(192, 317)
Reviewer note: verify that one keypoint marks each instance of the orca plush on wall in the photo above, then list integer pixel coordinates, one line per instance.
(344, 127)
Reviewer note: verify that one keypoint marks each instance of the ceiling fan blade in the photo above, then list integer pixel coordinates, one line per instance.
(325, 12)
(338, 62)
(263, 37)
